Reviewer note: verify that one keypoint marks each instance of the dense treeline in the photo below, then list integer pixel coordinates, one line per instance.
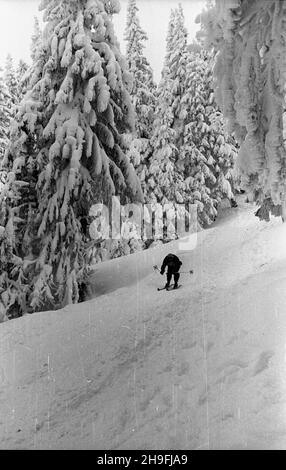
(84, 123)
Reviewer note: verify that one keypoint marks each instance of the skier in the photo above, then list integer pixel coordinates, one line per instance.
(233, 202)
(173, 263)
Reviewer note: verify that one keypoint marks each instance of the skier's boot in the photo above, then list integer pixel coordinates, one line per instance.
(176, 286)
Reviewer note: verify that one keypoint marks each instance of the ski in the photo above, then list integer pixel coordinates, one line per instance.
(164, 288)
(173, 288)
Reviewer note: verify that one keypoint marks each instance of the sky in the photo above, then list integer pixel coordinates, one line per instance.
(17, 22)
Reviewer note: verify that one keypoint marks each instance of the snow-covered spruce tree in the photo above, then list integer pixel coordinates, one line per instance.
(21, 69)
(250, 79)
(208, 152)
(22, 78)
(11, 83)
(143, 87)
(39, 53)
(5, 117)
(66, 153)
(165, 177)
(143, 94)
(37, 38)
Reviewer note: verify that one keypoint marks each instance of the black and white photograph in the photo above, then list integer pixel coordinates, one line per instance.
(143, 227)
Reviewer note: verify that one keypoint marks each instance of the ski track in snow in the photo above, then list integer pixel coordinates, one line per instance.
(198, 368)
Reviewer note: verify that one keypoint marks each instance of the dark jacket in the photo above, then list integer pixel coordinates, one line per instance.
(173, 263)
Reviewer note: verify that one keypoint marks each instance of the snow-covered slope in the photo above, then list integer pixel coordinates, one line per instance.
(198, 368)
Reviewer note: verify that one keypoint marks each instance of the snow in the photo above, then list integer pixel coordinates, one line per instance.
(198, 368)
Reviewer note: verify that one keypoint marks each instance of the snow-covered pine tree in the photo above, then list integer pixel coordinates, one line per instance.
(21, 77)
(143, 87)
(250, 77)
(37, 38)
(11, 83)
(165, 177)
(5, 117)
(143, 94)
(66, 153)
(21, 69)
(39, 53)
(208, 152)
(176, 66)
